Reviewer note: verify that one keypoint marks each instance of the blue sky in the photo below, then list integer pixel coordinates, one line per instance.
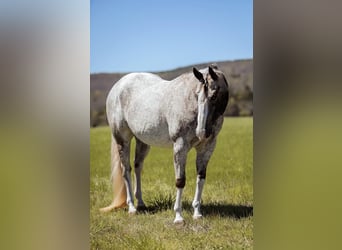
(159, 35)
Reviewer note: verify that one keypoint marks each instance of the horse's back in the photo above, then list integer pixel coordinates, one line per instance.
(128, 86)
(134, 82)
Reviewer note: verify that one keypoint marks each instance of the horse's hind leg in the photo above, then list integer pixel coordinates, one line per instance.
(141, 151)
(124, 152)
(204, 153)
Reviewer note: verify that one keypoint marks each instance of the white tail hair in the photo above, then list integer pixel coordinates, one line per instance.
(118, 184)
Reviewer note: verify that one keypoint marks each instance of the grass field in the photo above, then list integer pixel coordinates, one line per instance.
(227, 197)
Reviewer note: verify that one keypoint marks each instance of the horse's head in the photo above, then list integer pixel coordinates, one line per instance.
(213, 97)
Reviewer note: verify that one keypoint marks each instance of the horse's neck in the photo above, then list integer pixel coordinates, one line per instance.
(181, 97)
(187, 82)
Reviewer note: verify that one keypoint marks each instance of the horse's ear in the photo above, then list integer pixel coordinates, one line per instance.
(198, 75)
(213, 74)
(214, 66)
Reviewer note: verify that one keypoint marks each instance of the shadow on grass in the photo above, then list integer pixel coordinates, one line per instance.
(162, 203)
(223, 210)
(227, 210)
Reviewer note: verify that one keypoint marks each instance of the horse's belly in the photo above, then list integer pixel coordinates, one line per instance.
(154, 141)
(146, 116)
(154, 134)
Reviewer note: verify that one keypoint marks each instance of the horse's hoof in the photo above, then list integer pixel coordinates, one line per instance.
(141, 208)
(197, 217)
(179, 221)
(132, 211)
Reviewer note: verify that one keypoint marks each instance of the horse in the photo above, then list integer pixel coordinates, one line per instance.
(184, 113)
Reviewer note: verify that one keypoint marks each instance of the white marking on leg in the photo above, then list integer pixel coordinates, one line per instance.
(178, 206)
(127, 178)
(196, 204)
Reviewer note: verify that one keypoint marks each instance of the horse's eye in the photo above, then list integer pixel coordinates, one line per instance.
(215, 92)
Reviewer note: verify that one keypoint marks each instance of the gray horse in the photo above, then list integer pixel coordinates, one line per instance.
(183, 113)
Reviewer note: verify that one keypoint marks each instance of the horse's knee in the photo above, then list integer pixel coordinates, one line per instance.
(180, 182)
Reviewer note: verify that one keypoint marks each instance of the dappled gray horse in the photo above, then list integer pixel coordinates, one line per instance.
(184, 113)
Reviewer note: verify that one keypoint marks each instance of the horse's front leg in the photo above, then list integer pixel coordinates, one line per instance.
(204, 153)
(180, 150)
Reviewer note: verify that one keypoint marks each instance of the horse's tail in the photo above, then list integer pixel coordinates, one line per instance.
(118, 184)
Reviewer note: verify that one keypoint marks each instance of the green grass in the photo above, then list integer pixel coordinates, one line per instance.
(227, 197)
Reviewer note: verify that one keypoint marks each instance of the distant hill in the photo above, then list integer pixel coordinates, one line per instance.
(239, 75)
